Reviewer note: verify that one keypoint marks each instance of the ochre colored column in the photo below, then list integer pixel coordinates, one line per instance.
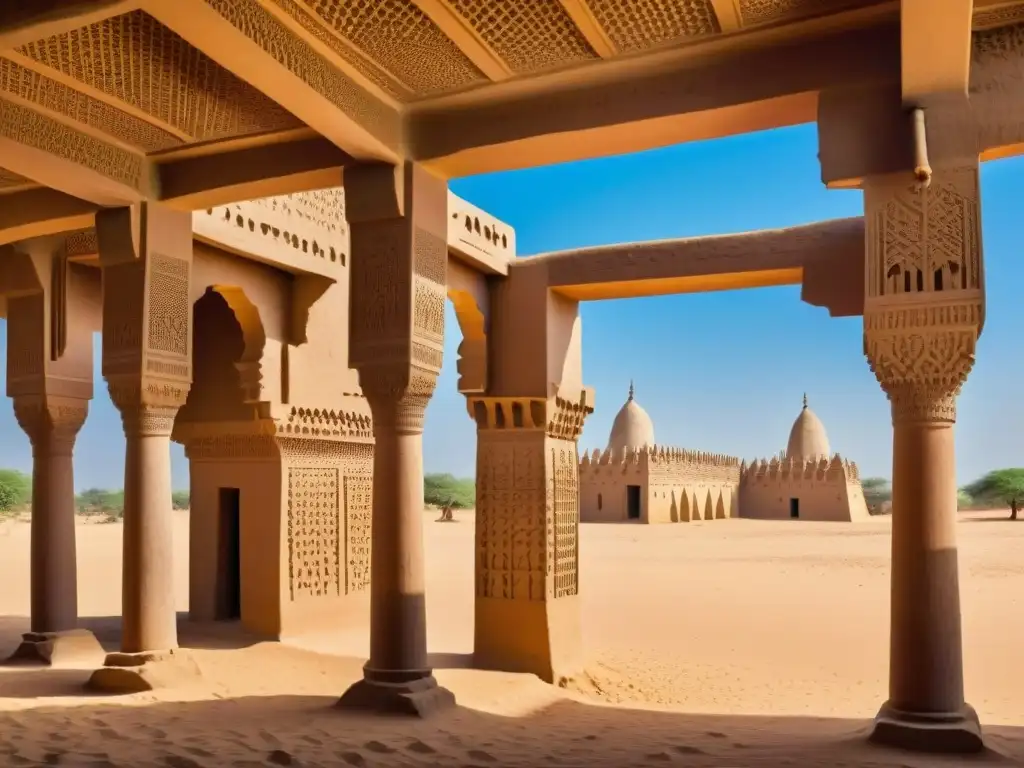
(398, 219)
(924, 311)
(146, 256)
(49, 377)
(52, 424)
(527, 616)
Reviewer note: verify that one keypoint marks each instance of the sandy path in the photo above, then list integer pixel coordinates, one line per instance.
(740, 630)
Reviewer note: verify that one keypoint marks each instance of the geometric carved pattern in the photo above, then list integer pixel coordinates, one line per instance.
(403, 40)
(512, 517)
(358, 527)
(765, 11)
(528, 36)
(566, 514)
(314, 538)
(169, 308)
(137, 60)
(647, 23)
(57, 97)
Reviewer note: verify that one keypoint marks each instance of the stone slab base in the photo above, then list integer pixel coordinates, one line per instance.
(956, 733)
(73, 647)
(137, 672)
(419, 698)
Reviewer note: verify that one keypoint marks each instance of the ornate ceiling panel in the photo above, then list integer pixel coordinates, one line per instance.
(403, 40)
(138, 61)
(55, 97)
(528, 36)
(753, 12)
(647, 23)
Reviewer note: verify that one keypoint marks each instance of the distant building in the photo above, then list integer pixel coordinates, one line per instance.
(636, 479)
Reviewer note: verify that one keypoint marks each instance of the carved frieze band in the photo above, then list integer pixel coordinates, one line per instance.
(924, 308)
(558, 417)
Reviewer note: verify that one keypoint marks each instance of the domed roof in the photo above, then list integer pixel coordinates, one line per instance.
(632, 427)
(807, 438)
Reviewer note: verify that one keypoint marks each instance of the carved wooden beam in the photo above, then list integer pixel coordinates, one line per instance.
(204, 181)
(40, 212)
(588, 26)
(465, 38)
(247, 40)
(935, 43)
(26, 22)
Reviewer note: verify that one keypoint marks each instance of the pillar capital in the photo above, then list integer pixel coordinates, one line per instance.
(557, 416)
(398, 395)
(51, 423)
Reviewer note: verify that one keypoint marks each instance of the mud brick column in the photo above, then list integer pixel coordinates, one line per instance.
(49, 376)
(527, 615)
(924, 311)
(398, 219)
(146, 257)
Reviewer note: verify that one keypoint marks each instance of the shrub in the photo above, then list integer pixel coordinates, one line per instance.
(180, 500)
(443, 489)
(8, 498)
(19, 483)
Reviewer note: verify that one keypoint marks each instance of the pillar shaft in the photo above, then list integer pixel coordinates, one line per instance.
(926, 662)
(923, 313)
(146, 257)
(399, 224)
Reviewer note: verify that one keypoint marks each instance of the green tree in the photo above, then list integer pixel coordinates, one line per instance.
(8, 498)
(964, 499)
(444, 489)
(180, 500)
(19, 483)
(877, 491)
(1000, 485)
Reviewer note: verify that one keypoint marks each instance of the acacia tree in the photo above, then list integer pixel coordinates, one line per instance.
(1003, 485)
(877, 491)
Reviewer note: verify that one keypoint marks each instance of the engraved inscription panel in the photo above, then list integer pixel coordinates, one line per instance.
(314, 540)
(358, 527)
(566, 515)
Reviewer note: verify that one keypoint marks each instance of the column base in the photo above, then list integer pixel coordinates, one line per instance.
(956, 733)
(148, 671)
(422, 697)
(71, 647)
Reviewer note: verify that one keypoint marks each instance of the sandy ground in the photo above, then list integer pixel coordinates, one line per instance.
(727, 643)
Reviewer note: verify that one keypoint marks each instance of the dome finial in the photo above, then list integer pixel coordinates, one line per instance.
(630, 391)
(805, 399)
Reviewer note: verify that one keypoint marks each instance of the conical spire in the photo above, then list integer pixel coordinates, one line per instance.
(631, 391)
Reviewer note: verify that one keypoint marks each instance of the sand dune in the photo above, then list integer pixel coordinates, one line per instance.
(727, 643)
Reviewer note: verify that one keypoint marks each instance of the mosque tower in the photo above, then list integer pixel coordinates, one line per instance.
(632, 428)
(807, 438)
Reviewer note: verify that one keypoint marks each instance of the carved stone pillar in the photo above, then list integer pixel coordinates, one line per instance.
(924, 311)
(49, 376)
(146, 256)
(527, 534)
(398, 219)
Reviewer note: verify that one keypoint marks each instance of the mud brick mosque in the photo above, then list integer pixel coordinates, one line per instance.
(635, 479)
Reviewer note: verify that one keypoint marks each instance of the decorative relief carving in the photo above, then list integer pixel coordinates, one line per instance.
(565, 504)
(82, 243)
(428, 310)
(475, 231)
(169, 306)
(559, 418)
(301, 60)
(754, 12)
(232, 447)
(999, 30)
(380, 288)
(51, 423)
(925, 305)
(363, 66)
(358, 528)
(26, 328)
(430, 256)
(38, 131)
(398, 396)
(403, 40)
(314, 538)
(326, 424)
(56, 97)
(512, 519)
(647, 23)
(527, 36)
(428, 356)
(135, 59)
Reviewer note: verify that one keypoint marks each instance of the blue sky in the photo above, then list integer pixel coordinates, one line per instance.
(721, 372)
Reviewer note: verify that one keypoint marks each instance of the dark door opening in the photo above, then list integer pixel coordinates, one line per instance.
(229, 551)
(794, 508)
(633, 502)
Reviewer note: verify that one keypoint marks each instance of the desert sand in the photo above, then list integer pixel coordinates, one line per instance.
(725, 643)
